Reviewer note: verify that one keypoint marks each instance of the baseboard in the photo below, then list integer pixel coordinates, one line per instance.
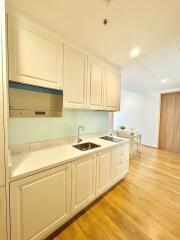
(149, 146)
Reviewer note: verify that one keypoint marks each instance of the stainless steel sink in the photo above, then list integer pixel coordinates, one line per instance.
(86, 146)
(112, 139)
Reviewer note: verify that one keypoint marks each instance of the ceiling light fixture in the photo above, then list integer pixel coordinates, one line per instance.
(135, 52)
(105, 22)
(164, 80)
(108, 2)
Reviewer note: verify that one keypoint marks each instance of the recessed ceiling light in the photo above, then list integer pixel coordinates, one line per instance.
(135, 52)
(164, 80)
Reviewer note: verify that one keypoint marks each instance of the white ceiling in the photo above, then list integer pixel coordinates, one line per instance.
(144, 23)
(145, 74)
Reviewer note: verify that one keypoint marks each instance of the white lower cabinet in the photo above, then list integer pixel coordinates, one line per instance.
(120, 163)
(103, 176)
(3, 234)
(83, 182)
(40, 203)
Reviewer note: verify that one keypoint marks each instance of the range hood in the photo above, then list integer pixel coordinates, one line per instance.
(32, 101)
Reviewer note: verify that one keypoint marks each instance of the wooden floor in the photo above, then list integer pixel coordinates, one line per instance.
(146, 205)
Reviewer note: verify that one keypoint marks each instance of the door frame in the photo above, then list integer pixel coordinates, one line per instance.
(3, 22)
(159, 115)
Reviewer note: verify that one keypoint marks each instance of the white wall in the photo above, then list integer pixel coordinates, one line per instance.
(142, 112)
(31, 130)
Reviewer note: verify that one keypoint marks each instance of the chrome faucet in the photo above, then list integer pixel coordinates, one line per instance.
(78, 138)
(110, 132)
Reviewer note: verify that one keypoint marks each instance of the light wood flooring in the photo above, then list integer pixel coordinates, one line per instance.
(146, 205)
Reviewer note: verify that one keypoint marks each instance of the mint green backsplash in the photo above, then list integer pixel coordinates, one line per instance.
(27, 130)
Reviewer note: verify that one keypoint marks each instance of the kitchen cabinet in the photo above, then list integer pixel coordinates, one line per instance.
(40, 203)
(134, 140)
(112, 90)
(38, 58)
(120, 162)
(95, 84)
(88, 83)
(83, 182)
(103, 171)
(3, 233)
(35, 57)
(75, 78)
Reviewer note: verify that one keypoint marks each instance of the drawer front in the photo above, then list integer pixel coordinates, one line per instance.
(120, 162)
(120, 154)
(118, 170)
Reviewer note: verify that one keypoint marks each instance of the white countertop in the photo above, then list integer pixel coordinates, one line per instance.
(26, 164)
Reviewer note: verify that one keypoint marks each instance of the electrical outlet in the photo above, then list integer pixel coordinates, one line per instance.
(34, 146)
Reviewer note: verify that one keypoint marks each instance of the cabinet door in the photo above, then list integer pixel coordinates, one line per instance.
(120, 162)
(104, 163)
(95, 84)
(34, 57)
(40, 203)
(112, 90)
(74, 78)
(83, 182)
(3, 233)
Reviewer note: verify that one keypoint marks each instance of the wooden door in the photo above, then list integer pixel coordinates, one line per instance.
(169, 131)
(83, 182)
(40, 203)
(112, 90)
(34, 57)
(74, 78)
(103, 181)
(95, 84)
(3, 233)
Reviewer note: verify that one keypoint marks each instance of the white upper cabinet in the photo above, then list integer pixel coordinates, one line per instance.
(37, 58)
(74, 78)
(3, 233)
(40, 203)
(88, 83)
(95, 84)
(112, 90)
(34, 57)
